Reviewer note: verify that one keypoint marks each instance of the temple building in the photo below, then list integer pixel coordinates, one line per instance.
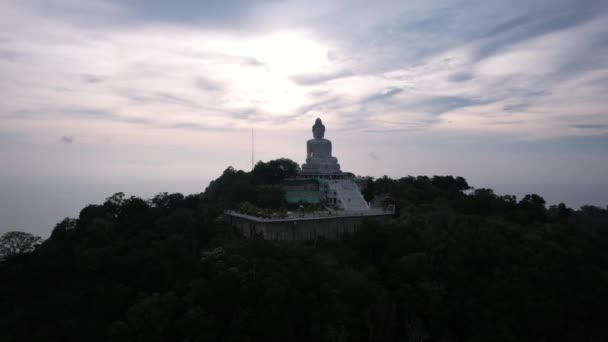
(339, 207)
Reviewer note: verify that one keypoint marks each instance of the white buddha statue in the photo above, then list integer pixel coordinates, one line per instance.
(318, 153)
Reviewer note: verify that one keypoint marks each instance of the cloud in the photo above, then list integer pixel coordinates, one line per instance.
(591, 126)
(421, 65)
(91, 79)
(9, 56)
(460, 77)
(214, 13)
(518, 107)
(244, 114)
(383, 95)
(312, 79)
(391, 130)
(66, 139)
(198, 127)
(441, 104)
(531, 25)
(207, 84)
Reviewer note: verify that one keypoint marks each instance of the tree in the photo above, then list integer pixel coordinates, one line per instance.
(367, 187)
(275, 171)
(113, 203)
(533, 208)
(61, 228)
(15, 243)
(270, 196)
(168, 201)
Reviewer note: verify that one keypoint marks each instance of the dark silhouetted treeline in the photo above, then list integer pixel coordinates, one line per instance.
(456, 264)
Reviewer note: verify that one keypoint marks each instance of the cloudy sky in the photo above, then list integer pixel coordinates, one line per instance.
(141, 96)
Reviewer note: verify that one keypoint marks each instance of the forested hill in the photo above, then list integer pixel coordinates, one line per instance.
(456, 264)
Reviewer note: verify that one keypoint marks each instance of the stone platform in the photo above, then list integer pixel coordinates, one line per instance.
(305, 227)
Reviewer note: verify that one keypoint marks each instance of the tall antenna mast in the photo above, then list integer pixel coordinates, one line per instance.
(252, 149)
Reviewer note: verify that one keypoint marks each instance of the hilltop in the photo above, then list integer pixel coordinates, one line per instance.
(456, 263)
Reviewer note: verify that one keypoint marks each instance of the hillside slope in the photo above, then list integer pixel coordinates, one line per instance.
(457, 264)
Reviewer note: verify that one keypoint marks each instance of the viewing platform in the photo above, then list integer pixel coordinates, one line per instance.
(317, 215)
(305, 226)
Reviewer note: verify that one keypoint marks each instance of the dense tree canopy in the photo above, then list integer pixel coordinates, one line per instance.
(15, 243)
(456, 264)
(235, 187)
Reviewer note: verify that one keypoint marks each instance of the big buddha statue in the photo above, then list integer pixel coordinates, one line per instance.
(318, 153)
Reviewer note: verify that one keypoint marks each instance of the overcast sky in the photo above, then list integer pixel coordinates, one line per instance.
(98, 97)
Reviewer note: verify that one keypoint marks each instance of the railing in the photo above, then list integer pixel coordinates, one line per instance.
(316, 214)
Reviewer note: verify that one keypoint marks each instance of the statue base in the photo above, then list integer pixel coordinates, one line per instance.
(321, 166)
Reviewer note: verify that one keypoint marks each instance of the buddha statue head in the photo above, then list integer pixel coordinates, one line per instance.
(318, 130)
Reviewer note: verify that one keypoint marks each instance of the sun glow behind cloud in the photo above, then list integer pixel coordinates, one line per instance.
(265, 83)
(241, 75)
(169, 76)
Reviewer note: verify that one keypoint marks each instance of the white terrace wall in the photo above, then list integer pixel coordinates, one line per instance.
(299, 230)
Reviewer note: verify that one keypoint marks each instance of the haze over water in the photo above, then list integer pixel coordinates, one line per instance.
(151, 96)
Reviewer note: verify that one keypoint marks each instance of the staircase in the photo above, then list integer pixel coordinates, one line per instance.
(349, 194)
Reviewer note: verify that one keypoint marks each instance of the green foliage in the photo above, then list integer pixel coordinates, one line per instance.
(250, 209)
(260, 186)
(275, 171)
(16, 243)
(456, 264)
(270, 196)
(62, 228)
